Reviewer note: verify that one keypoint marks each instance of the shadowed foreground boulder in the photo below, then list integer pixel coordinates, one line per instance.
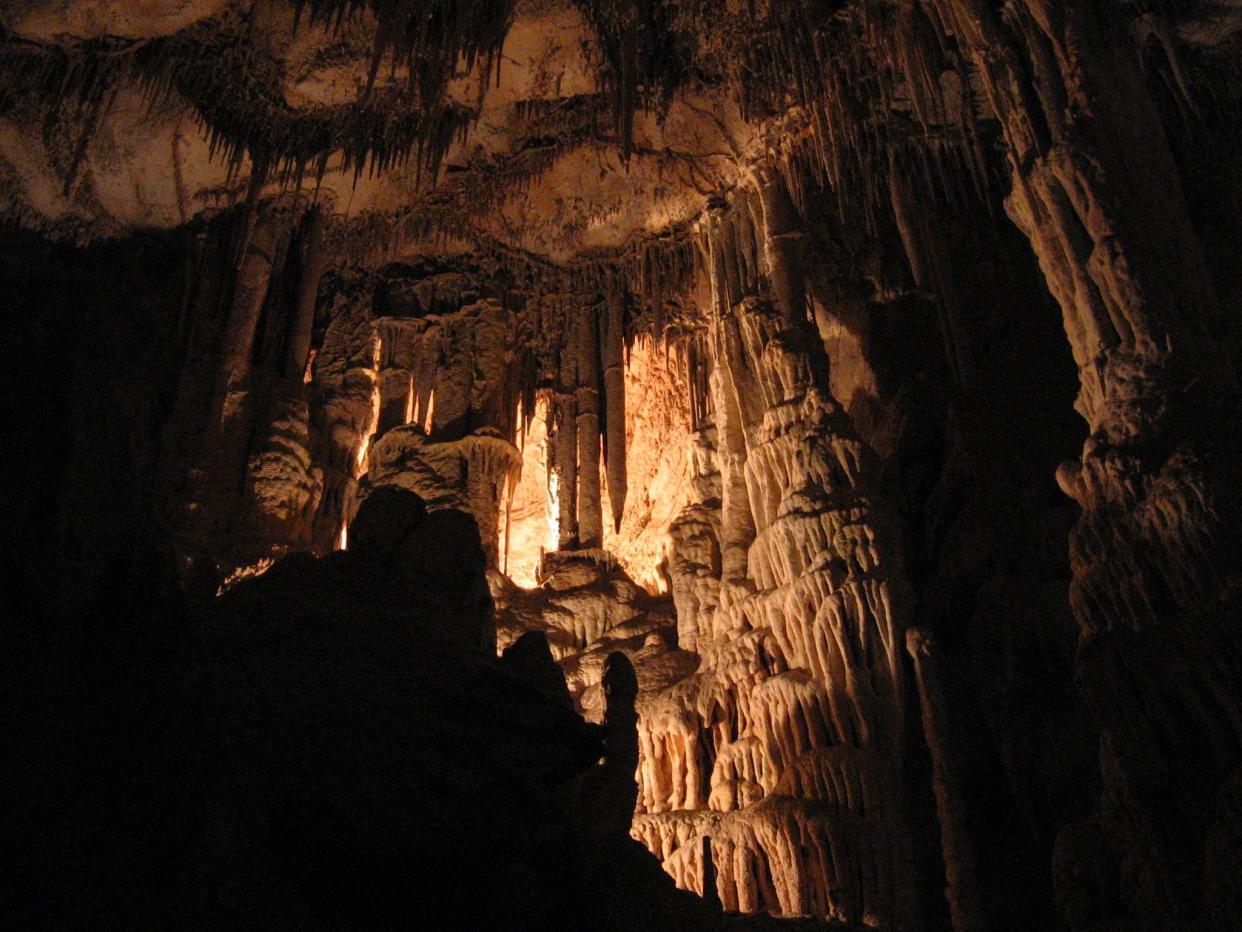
(362, 767)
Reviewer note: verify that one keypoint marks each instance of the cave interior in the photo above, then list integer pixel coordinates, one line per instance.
(628, 464)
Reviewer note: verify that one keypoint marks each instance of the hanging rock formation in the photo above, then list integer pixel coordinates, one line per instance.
(483, 462)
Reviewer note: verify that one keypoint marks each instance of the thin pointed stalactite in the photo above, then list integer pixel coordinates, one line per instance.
(428, 38)
(645, 58)
(236, 95)
(849, 390)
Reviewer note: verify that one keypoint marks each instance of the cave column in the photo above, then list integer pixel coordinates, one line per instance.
(563, 440)
(784, 247)
(797, 486)
(249, 294)
(612, 351)
(1096, 191)
(314, 263)
(737, 522)
(590, 516)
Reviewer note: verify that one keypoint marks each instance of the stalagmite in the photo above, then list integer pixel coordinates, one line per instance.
(821, 303)
(586, 345)
(612, 345)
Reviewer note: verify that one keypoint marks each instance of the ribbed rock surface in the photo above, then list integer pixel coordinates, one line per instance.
(852, 388)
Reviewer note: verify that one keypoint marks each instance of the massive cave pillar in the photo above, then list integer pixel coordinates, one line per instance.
(796, 715)
(1154, 553)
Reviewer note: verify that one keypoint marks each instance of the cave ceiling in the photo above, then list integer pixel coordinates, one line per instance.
(513, 144)
(556, 129)
(836, 400)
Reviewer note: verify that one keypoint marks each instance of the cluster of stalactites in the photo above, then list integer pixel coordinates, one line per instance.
(234, 88)
(644, 57)
(428, 38)
(584, 362)
(455, 374)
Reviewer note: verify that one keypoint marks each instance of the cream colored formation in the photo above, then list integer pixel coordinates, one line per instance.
(647, 323)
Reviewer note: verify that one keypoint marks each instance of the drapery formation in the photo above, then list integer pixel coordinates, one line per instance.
(784, 309)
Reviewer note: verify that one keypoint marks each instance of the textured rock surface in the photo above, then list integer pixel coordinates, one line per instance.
(838, 403)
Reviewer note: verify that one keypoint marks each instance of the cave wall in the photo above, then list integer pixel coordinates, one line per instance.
(869, 380)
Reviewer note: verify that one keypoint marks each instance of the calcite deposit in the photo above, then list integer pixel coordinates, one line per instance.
(623, 463)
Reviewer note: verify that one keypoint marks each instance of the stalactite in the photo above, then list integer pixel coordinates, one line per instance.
(428, 39)
(645, 57)
(425, 372)
(454, 380)
(395, 375)
(235, 90)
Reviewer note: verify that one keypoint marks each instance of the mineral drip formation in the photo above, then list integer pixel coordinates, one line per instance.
(625, 464)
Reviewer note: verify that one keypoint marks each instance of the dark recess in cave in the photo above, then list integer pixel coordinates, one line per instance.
(622, 464)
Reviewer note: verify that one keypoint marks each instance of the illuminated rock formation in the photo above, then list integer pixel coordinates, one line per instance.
(827, 412)
(792, 726)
